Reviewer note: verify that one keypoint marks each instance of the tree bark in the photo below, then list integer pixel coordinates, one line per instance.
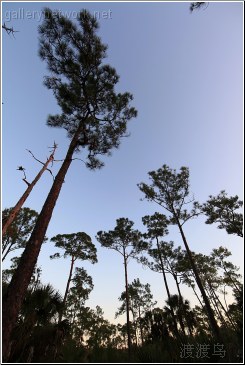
(127, 304)
(67, 289)
(22, 200)
(212, 320)
(15, 294)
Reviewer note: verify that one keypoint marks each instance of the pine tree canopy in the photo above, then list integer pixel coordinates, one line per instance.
(83, 85)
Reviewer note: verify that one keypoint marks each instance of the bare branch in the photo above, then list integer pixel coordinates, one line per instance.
(21, 168)
(75, 158)
(28, 184)
(54, 147)
(9, 30)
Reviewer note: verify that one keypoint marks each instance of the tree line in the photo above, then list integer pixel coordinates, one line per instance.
(177, 323)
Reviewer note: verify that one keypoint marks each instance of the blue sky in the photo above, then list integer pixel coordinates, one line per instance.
(185, 72)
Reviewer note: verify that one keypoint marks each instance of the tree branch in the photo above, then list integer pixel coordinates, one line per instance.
(9, 30)
(54, 147)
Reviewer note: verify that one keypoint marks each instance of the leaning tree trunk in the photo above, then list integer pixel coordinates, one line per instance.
(234, 283)
(221, 305)
(197, 296)
(15, 294)
(212, 320)
(67, 289)
(22, 200)
(127, 305)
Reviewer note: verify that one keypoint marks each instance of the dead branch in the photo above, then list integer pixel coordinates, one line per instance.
(9, 30)
(54, 148)
(21, 168)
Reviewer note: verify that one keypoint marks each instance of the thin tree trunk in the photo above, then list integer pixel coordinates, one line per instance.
(233, 281)
(218, 309)
(141, 330)
(7, 252)
(127, 304)
(8, 245)
(167, 289)
(22, 200)
(212, 320)
(222, 307)
(67, 289)
(15, 294)
(4, 246)
(181, 305)
(197, 296)
(135, 324)
(178, 288)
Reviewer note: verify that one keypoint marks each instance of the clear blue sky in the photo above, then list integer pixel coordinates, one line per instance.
(185, 72)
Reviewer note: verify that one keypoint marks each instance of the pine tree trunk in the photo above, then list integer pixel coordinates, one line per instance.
(233, 282)
(222, 306)
(67, 289)
(141, 329)
(182, 307)
(22, 200)
(216, 308)
(15, 294)
(167, 289)
(197, 296)
(212, 320)
(127, 305)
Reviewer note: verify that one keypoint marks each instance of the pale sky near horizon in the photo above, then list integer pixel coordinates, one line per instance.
(186, 74)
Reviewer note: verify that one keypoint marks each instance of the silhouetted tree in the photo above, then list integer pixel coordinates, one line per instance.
(140, 301)
(182, 311)
(127, 241)
(236, 312)
(230, 271)
(40, 308)
(222, 209)
(78, 246)
(156, 228)
(93, 114)
(198, 5)
(170, 190)
(18, 233)
(82, 285)
(8, 273)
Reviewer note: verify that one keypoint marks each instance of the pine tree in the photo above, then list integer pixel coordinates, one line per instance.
(78, 246)
(128, 242)
(171, 190)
